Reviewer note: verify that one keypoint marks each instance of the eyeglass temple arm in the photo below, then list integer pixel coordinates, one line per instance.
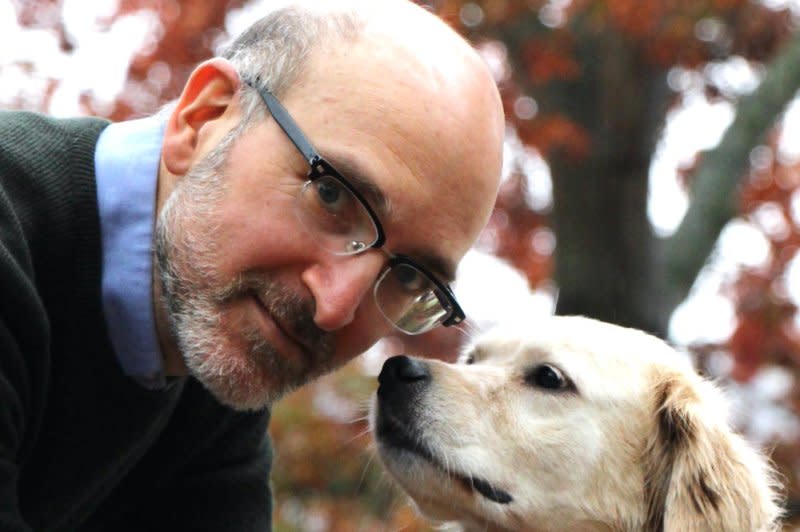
(287, 123)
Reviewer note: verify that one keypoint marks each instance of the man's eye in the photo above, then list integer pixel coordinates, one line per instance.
(410, 279)
(334, 207)
(331, 194)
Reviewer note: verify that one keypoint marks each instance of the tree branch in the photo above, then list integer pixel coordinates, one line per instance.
(714, 197)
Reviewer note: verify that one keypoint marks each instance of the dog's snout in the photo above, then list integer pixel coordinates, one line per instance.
(404, 369)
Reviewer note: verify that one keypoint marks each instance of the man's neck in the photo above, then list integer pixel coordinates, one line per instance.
(174, 365)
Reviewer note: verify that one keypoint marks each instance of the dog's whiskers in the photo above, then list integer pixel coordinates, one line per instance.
(386, 489)
(358, 419)
(467, 329)
(364, 472)
(361, 434)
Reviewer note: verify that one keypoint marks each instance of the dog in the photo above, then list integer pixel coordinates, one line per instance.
(569, 424)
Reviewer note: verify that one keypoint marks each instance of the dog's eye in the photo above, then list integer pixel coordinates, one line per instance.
(469, 359)
(548, 377)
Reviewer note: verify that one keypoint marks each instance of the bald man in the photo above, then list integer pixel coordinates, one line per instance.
(165, 280)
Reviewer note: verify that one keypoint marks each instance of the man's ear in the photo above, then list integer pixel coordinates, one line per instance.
(206, 98)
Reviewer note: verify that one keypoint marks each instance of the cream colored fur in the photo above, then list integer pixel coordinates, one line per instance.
(636, 442)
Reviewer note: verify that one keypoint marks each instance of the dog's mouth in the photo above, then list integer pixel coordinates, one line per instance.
(396, 435)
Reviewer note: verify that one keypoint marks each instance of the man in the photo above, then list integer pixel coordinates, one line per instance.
(309, 190)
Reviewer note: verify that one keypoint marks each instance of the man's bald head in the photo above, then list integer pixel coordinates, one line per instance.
(277, 48)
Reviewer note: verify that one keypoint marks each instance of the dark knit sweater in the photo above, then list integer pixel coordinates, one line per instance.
(82, 446)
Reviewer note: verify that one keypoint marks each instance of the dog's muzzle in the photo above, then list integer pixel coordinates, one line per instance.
(402, 383)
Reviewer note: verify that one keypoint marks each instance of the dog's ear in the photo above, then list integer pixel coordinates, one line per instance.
(699, 474)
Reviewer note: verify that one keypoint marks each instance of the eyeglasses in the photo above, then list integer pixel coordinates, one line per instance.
(340, 219)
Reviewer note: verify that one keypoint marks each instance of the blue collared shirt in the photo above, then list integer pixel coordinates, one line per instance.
(126, 165)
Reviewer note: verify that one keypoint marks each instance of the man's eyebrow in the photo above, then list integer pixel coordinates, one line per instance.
(443, 269)
(355, 174)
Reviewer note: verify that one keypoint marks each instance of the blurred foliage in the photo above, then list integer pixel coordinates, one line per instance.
(766, 331)
(326, 474)
(584, 85)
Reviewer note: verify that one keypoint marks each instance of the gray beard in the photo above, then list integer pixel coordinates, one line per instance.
(240, 368)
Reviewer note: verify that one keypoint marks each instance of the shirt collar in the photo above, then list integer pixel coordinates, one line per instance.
(126, 164)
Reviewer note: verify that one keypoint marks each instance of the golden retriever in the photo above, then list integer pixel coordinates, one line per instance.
(569, 425)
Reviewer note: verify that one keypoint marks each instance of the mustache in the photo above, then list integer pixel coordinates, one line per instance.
(289, 308)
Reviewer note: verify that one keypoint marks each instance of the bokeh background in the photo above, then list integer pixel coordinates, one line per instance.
(651, 180)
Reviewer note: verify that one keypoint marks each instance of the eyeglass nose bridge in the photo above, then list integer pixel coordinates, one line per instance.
(418, 314)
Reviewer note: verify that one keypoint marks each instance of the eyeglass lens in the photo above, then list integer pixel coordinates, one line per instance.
(332, 214)
(408, 298)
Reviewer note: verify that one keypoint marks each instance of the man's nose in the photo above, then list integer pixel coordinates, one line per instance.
(339, 284)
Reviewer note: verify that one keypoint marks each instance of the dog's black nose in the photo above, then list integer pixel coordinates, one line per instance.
(404, 369)
(401, 379)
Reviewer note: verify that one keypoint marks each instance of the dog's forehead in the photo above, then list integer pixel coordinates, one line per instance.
(576, 344)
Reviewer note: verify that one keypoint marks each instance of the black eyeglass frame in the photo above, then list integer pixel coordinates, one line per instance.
(455, 314)
(319, 167)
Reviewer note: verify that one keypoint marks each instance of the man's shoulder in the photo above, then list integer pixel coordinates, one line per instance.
(31, 119)
(39, 153)
(48, 211)
(24, 133)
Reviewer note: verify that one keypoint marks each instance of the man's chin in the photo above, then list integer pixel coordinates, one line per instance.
(245, 372)
(248, 383)
(235, 379)
(244, 397)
